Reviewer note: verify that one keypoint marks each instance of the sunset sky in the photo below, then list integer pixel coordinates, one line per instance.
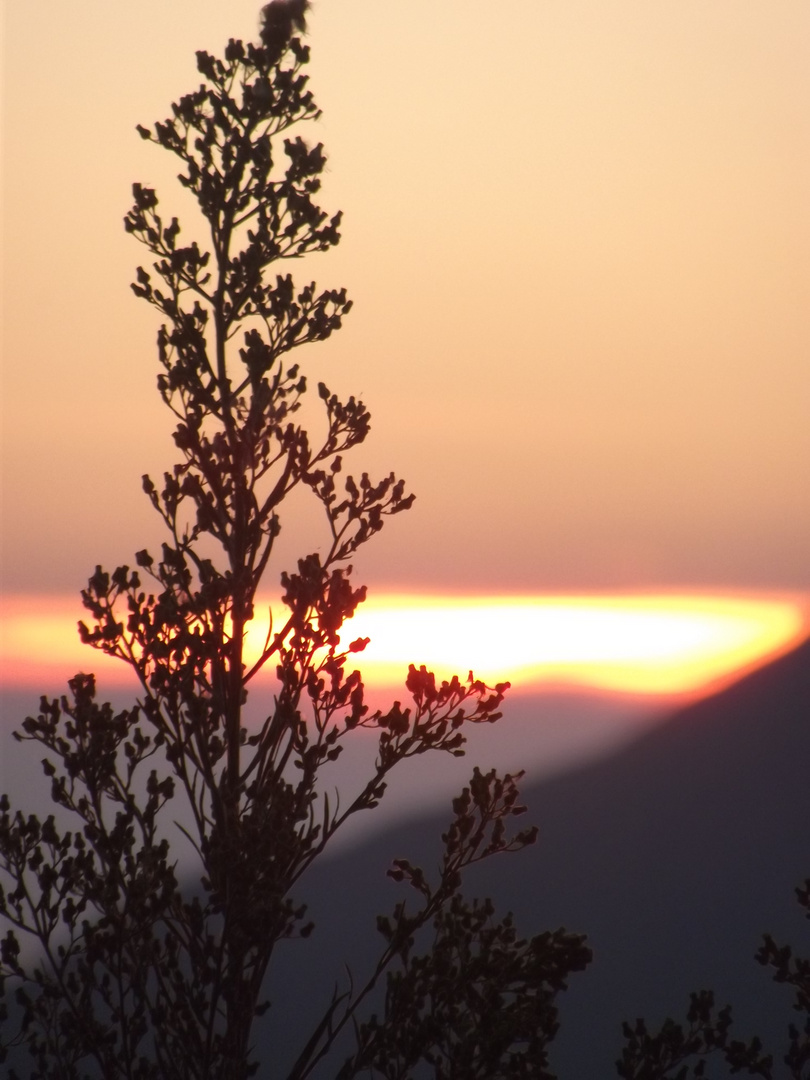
(576, 235)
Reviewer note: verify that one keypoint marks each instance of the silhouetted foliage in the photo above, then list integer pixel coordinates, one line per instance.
(794, 971)
(136, 972)
(679, 1053)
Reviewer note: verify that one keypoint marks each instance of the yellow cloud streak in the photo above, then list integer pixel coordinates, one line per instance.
(637, 644)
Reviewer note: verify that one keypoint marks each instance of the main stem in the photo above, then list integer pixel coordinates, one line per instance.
(239, 1011)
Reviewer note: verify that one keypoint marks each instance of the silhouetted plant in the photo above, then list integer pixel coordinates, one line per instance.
(137, 974)
(794, 971)
(678, 1052)
(480, 1002)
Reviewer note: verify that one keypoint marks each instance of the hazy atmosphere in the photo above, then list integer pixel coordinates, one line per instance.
(576, 236)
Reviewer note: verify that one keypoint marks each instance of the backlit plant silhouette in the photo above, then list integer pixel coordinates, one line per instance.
(137, 971)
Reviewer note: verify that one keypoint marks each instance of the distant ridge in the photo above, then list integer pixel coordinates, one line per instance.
(674, 855)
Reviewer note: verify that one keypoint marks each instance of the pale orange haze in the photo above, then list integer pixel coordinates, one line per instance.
(576, 234)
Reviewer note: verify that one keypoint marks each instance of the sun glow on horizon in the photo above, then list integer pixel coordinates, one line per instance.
(654, 644)
(665, 644)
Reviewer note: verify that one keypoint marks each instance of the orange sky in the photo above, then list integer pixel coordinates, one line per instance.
(576, 235)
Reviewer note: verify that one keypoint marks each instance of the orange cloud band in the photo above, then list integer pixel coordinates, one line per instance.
(642, 644)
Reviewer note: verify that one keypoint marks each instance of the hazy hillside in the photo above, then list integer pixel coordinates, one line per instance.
(674, 855)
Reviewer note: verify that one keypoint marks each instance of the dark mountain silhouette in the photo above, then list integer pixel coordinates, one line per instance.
(674, 854)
